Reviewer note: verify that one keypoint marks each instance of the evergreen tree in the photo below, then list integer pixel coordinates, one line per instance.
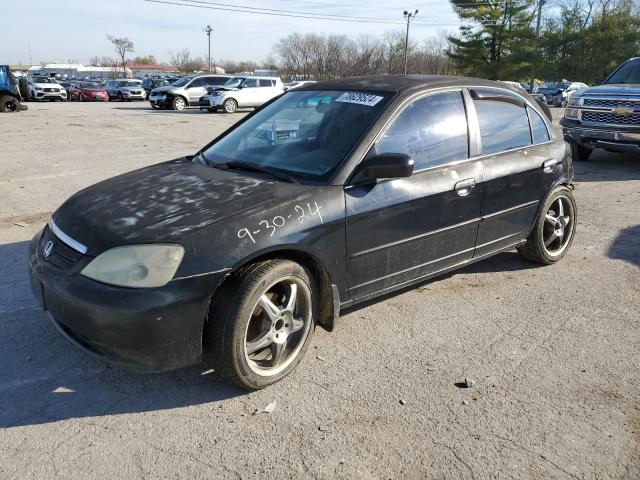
(498, 41)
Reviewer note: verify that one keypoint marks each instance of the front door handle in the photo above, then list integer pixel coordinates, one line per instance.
(549, 164)
(463, 187)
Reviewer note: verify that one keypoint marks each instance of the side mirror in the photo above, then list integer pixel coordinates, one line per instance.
(386, 165)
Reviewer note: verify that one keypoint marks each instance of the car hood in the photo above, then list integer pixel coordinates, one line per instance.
(162, 203)
(128, 89)
(612, 89)
(548, 91)
(94, 90)
(165, 89)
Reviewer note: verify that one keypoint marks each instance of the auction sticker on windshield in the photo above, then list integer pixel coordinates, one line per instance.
(360, 98)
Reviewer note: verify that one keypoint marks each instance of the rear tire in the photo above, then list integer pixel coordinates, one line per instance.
(554, 230)
(580, 153)
(230, 105)
(9, 104)
(253, 342)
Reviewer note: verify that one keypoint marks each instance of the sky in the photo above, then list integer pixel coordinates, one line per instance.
(59, 31)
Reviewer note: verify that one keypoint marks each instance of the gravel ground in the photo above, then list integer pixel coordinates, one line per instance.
(554, 351)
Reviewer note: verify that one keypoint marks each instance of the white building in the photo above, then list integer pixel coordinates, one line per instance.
(77, 70)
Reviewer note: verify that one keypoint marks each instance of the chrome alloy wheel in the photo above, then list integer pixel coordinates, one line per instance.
(279, 325)
(558, 226)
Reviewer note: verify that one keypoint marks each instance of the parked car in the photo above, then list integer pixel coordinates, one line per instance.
(45, 88)
(125, 89)
(88, 92)
(556, 94)
(185, 92)
(606, 116)
(241, 92)
(66, 84)
(297, 83)
(331, 195)
(150, 83)
(10, 98)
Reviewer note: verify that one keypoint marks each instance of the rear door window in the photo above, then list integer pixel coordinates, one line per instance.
(432, 130)
(503, 126)
(265, 83)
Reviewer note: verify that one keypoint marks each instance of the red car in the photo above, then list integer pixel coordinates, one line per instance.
(88, 92)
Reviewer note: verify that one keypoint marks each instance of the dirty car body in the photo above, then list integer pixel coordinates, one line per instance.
(455, 200)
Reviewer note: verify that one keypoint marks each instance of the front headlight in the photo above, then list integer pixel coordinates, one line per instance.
(136, 266)
(575, 101)
(37, 88)
(572, 113)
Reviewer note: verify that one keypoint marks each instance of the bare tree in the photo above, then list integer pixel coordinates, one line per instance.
(122, 47)
(183, 62)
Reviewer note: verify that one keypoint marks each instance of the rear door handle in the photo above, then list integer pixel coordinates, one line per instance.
(463, 187)
(549, 164)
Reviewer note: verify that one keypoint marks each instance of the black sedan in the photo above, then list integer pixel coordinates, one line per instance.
(327, 196)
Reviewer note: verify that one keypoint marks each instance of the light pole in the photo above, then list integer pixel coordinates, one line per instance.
(408, 16)
(537, 57)
(208, 31)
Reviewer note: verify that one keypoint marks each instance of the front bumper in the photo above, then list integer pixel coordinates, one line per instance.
(613, 140)
(158, 101)
(50, 95)
(155, 330)
(211, 102)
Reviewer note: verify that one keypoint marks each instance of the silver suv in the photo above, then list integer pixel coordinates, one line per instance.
(125, 89)
(185, 92)
(242, 91)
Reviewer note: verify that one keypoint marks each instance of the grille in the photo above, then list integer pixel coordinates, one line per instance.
(50, 90)
(600, 102)
(610, 118)
(135, 92)
(62, 257)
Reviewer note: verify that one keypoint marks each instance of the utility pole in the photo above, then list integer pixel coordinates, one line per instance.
(537, 56)
(408, 16)
(208, 31)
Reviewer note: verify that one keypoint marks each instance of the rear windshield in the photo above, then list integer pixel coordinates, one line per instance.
(628, 73)
(306, 134)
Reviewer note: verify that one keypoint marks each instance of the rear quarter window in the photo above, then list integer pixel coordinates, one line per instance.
(538, 127)
(503, 126)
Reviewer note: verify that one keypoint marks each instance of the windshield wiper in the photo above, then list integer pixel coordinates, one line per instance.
(252, 167)
(249, 167)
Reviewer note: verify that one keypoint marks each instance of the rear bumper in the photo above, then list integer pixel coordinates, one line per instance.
(150, 330)
(608, 139)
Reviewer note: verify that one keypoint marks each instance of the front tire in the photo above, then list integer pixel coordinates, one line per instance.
(179, 104)
(230, 105)
(555, 228)
(580, 153)
(9, 104)
(261, 323)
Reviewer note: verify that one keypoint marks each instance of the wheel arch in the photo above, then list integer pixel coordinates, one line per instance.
(328, 303)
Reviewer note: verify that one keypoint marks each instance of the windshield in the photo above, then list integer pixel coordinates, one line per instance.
(628, 73)
(182, 82)
(304, 134)
(233, 82)
(129, 83)
(44, 80)
(89, 85)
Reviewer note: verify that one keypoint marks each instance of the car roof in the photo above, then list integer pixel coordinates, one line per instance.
(401, 83)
